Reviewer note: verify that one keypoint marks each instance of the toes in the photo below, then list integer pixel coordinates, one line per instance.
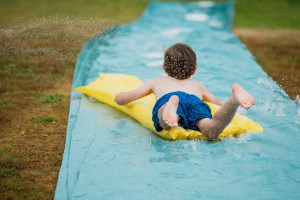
(174, 125)
(170, 122)
(249, 105)
(167, 121)
(246, 105)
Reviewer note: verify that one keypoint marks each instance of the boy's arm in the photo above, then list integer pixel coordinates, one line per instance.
(127, 97)
(207, 96)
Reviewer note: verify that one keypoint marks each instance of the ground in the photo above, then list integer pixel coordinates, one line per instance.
(277, 51)
(36, 70)
(37, 60)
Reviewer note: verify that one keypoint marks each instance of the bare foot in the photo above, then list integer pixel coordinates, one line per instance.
(242, 97)
(169, 114)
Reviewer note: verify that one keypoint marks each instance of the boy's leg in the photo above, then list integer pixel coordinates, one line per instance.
(167, 114)
(212, 128)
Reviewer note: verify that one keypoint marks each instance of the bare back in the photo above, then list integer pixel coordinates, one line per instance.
(164, 85)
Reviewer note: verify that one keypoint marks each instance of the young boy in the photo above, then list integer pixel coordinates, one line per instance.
(179, 99)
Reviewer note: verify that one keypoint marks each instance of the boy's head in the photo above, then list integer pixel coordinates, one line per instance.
(180, 61)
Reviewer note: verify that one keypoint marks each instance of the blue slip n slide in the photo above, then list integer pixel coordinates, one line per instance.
(110, 156)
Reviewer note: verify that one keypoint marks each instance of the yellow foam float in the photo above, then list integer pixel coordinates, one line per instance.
(107, 86)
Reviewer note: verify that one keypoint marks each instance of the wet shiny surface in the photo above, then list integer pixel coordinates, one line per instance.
(110, 156)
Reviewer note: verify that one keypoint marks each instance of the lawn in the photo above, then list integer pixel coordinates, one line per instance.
(39, 44)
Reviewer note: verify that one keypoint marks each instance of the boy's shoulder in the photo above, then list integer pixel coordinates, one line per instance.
(154, 81)
(159, 78)
(198, 83)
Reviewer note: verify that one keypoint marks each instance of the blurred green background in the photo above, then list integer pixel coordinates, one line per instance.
(272, 14)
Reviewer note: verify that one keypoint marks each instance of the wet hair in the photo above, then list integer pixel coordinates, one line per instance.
(180, 61)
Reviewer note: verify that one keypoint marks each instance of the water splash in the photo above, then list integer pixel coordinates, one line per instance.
(52, 36)
(276, 104)
(198, 17)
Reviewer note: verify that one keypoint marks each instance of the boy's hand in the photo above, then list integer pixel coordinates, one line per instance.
(119, 98)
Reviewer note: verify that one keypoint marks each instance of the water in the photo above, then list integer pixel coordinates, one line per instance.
(110, 156)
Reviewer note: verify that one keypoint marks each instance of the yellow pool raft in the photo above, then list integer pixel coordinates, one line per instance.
(107, 86)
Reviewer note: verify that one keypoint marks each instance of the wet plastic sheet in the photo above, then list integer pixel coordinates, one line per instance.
(110, 156)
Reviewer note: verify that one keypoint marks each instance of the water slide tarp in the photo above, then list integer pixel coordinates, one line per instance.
(110, 156)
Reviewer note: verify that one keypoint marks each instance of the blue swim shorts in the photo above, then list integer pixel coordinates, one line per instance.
(190, 109)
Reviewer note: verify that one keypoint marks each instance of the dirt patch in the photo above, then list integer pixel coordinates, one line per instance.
(37, 61)
(277, 51)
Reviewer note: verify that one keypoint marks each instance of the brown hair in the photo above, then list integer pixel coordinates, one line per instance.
(180, 61)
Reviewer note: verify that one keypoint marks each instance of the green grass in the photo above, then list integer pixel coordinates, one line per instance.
(283, 14)
(118, 10)
(44, 119)
(54, 99)
(4, 103)
(249, 13)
